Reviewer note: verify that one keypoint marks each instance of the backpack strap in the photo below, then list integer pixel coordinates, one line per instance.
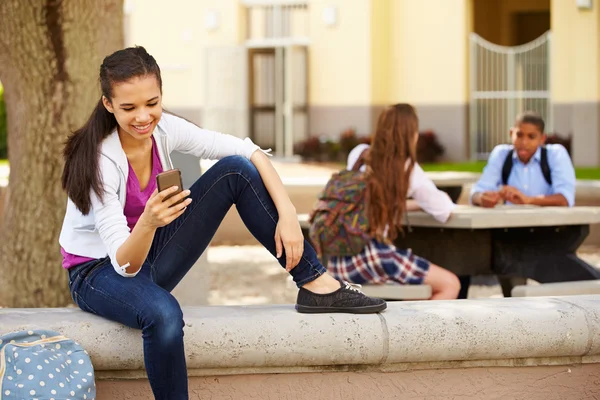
(507, 167)
(545, 166)
(361, 160)
(508, 163)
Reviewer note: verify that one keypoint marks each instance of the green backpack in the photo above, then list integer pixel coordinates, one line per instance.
(338, 222)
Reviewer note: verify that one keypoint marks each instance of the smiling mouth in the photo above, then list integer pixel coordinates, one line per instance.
(142, 128)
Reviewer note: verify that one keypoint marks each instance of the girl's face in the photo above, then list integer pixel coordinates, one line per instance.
(137, 106)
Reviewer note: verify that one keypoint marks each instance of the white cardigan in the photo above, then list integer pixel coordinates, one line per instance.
(104, 229)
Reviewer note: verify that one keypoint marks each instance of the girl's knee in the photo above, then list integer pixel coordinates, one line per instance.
(453, 283)
(442, 280)
(164, 318)
(236, 163)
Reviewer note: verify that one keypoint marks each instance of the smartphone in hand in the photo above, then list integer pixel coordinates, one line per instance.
(169, 178)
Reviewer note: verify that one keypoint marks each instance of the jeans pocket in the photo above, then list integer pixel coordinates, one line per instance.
(89, 272)
(74, 281)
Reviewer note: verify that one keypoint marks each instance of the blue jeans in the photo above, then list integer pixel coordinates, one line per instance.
(145, 302)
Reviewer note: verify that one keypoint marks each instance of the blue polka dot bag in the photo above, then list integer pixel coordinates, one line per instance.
(44, 365)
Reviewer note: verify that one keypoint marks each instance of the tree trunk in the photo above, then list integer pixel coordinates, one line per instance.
(50, 56)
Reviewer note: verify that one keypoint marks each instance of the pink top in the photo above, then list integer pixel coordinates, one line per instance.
(135, 202)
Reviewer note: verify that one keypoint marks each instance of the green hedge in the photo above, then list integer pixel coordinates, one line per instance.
(3, 128)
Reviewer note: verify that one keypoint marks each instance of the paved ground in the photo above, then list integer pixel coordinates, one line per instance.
(244, 275)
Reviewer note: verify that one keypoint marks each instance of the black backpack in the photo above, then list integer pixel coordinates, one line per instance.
(508, 163)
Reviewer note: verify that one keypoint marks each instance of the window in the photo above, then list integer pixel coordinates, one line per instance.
(274, 20)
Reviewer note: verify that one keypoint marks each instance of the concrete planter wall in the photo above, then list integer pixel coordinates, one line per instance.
(472, 349)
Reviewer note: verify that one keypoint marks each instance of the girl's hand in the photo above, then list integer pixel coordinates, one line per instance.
(288, 237)
(159, 213)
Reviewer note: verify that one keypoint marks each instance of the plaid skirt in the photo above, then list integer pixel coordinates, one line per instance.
(380, 263)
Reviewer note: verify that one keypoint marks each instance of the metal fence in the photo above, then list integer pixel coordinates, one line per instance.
(505, 81)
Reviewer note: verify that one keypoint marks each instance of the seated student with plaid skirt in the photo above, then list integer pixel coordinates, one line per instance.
(393, 175)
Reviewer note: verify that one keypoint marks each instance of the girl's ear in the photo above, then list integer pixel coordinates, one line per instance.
(107, 105)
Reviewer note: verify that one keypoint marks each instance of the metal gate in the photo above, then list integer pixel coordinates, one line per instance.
(278, 97)
(505, 81)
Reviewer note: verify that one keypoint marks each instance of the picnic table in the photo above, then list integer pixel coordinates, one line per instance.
(539, 243)
(452, 182)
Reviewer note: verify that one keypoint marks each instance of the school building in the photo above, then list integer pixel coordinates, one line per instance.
(282, 70)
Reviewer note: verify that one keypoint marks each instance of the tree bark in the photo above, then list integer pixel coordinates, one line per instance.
(50, 56)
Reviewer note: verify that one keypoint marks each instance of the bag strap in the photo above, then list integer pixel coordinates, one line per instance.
(545, 166)
(361, 160)
(508, 163)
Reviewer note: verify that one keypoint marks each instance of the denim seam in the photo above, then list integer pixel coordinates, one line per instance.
(80, 299)
(311, 278)
(76, 280)
(108, 297)
(94, 268)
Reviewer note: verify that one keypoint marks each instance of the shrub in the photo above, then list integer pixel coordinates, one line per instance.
(331, 151)
(429, 149)
(555, 138)
(320, 148)
(365, 140)
(3, 127)
(309, 148)
(348, 141)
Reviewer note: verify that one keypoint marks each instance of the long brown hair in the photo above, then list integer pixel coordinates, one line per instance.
(390, 161)
(81, 174)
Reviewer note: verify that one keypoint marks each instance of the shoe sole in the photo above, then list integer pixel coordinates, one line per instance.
(348, 310)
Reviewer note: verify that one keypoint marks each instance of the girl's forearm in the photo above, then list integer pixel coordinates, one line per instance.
(135, 249)
(273, 183)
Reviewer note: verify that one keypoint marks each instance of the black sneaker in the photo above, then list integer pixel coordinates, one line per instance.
(347, 299)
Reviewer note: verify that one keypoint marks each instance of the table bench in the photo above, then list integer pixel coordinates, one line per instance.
(557, 289)
(514, 241)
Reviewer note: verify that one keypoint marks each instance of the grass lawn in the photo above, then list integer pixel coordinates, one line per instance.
(477, 166)
(3, 163)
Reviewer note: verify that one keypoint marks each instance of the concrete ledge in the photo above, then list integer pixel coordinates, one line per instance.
(557, 289)
(276, 339)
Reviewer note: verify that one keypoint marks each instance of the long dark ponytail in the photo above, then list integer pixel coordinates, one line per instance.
(81, 174)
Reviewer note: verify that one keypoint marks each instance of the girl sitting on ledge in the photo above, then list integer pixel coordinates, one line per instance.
(126, 245)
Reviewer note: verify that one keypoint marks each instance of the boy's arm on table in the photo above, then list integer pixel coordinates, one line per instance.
(485, 191)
